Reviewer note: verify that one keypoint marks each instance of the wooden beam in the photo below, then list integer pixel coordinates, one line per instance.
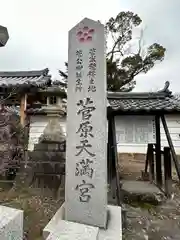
(158, 151)
(167, 171)
(116, 160)
(111, 162)
(23, 106)
(147, 157)
(109, 151)
(174, 156)
(151, 162)
(140, 113)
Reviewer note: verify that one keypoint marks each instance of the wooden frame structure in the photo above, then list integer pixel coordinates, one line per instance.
(27, 92)
(20, 88)
(29, 89)
(155, 104)
(153, 177)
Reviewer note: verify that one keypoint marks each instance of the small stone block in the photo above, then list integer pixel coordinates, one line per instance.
(114, 225)
(11, 223)
(73, 231)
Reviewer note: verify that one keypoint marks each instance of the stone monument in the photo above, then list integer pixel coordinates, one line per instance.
(86, 156)
(85, 211)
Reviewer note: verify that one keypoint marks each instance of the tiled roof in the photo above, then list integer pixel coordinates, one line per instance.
(25, 78)
(147, 101)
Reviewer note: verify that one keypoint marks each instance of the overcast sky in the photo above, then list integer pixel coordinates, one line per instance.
(38, 32)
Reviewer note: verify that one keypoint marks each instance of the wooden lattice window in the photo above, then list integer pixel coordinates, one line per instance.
(52, 100)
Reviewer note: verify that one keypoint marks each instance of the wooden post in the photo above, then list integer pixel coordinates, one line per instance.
(146, 163)
(167, 171)
(158, 151)
(23, 109)
(26, 131)
(151, 162)
(23, 105)
(176, 163)
(109, 160)
(116, 161)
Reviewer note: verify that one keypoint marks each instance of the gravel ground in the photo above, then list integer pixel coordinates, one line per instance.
(38, 209)
(154, 223)
(147, 222)
(144, 222)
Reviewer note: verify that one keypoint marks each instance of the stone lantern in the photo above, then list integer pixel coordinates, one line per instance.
(4, 36)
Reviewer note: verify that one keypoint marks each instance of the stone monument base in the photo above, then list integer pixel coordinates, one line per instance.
(11, 223)
(58, 228)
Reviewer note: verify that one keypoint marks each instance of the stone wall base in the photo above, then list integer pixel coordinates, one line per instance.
(59, 228)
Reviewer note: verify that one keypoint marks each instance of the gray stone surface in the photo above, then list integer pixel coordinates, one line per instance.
(11, 223)
(86, 183)
(154, 222)
(139, 187)
(73, 231)
(141, 191)
(53, 131)
(57, 228)
(114, 226)
(53, 224)
(48, 156)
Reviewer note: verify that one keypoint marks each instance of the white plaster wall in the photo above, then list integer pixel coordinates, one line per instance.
(173, 122)
(37, 126)
(134, 126)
